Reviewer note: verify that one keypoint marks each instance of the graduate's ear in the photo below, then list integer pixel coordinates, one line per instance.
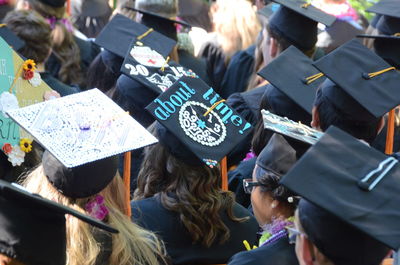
(315, 122)
(273, 48)
(307, 251)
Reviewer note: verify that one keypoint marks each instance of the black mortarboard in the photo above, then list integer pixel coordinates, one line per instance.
(118, 34)
(199, 118)
(33, 229)
(152, 69)
(54, 3)
(268, 10)
(82, 134)
(388, 19)
(360, 73)
(289, 73)
(297, 22)
(158, 16)
(95, 8)
(387, 41)
(386, 7)
(277, 156)
(356, 184)
(13, 40)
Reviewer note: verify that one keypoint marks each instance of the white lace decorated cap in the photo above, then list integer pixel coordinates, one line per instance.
(285, 126)
(196, 116)
(82, 128)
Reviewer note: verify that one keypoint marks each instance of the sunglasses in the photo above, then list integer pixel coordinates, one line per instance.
(249, 184)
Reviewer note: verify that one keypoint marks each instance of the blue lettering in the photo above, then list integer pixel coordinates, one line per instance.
(246, 126)
(192, 91)
(161, 114)
(177, 101)
(236, 120)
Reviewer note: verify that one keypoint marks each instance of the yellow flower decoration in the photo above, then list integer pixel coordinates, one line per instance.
(29, 65)
(26, 145)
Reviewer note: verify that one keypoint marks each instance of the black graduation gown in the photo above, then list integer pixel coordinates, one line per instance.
(216, 63)
(88, 51)
(57, 85)
(238, 72)
(247, 104)
(150, 214)
(277, 253)
(198, 65)
(235, 181)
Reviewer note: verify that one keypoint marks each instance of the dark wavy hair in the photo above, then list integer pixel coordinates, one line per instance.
(192, 191)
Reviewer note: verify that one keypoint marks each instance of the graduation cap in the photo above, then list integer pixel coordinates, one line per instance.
(354, 70)
(33, 229)
(387, 41)
(152, 69)
(295, 82)
(197, 117)
(163, 17)
(277, 157)
(386, 7)
(285, 126)
(82, 133)
(13, 40)
(357, 185)
(297, 22)
(54, 3)
(118, 34)
(268, 10)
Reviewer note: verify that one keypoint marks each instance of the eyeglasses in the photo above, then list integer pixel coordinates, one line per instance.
(293, 233)
(249, 184)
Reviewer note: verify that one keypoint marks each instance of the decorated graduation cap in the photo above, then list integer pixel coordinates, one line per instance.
(350, 197)
(13, 40)
(20, 85)
(195, 114)
(151, 68)
(297, 21)
(268, 10)
(82, 133)
(299, 83)
(118, 34)
(353, 70)
(33, 229)
(292, 129)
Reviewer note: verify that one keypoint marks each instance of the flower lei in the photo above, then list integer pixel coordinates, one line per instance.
(275, 230)
(96, 208)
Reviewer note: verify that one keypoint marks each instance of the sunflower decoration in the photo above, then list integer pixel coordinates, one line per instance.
(26, 145)
(29, 67)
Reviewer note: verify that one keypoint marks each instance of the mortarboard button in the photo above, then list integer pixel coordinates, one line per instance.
(196, 115)
(82, 134)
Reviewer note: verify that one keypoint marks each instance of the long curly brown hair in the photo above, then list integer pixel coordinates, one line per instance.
(192, 191)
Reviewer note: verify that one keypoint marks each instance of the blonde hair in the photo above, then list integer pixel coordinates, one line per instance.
(236, 24)
(132, 245)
